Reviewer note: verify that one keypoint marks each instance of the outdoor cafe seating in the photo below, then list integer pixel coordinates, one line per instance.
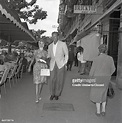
(12, 71)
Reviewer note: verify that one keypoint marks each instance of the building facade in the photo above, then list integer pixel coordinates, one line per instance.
(104, 26)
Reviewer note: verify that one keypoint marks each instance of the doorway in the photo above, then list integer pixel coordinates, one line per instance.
(114, 24)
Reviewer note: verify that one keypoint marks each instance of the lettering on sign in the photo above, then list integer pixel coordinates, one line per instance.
(85, 9)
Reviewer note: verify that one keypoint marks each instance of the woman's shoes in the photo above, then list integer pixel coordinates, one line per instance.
(37, 101)
(100, 114)
(40, 98)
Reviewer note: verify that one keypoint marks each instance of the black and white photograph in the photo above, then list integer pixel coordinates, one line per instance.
(60, 61)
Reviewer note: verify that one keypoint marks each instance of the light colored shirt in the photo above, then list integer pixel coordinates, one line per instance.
(80, 57)
(54, 48)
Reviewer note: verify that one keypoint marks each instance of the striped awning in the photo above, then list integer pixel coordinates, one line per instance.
(9, 15)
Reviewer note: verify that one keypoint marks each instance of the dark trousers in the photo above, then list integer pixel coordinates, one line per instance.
(57, 80)
(88, 66)
(81, 67)
(76, 61)
(69, 65)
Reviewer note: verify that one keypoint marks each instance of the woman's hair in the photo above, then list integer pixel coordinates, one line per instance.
(41, 40)
(102, 48)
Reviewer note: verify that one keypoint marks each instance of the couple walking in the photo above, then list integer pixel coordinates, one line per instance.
(57, 56)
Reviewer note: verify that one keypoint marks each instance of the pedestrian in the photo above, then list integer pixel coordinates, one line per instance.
(58, 54)
(75, 57)
(81, 61)
(102, 69)
(24, 63)
(39, 58)
(70, 60)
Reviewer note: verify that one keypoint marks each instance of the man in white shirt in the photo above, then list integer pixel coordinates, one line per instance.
(58, 54)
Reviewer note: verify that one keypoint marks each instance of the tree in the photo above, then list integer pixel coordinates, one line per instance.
(27, 10)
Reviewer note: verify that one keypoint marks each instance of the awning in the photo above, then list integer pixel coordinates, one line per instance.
(109, 11)
(11, 25)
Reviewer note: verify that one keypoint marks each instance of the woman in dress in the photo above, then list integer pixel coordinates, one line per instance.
(40, 56)
(102, 69)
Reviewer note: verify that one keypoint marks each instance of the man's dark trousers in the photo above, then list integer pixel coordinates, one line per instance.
(57, 80)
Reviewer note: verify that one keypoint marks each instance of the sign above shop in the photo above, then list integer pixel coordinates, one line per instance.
(85, 9)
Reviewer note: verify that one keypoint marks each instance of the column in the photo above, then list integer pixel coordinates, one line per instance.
(119, 65)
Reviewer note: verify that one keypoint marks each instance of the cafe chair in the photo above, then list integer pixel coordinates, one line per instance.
(12, 74)
(3, 79)
(21, 71)
(17, 73)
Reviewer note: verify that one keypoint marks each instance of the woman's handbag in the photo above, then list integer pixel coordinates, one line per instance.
(110, 92)
(45, 72)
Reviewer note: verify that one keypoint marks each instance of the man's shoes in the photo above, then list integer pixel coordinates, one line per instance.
(98, 114)
(103, 113)
(51, 97)
(56, 97)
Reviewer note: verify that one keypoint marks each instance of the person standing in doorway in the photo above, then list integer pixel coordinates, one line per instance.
(58, 54)
(75, 57)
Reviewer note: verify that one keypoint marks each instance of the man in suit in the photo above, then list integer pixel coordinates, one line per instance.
(58, 54)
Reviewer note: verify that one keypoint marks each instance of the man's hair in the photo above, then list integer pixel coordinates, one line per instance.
(55, 33)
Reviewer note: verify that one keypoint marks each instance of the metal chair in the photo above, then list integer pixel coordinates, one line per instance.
(11, 74)
(21, 71)
(17, 73)
(3, 79)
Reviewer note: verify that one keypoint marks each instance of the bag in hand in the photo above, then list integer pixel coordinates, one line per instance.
(45, 72)
(110, 93)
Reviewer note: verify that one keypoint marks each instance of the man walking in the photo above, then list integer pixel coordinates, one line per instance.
(58, 54)
(70, 60)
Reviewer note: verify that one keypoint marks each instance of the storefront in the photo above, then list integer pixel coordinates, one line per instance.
(110, 34)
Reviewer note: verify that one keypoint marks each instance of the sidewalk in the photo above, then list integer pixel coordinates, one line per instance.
(18, 104)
